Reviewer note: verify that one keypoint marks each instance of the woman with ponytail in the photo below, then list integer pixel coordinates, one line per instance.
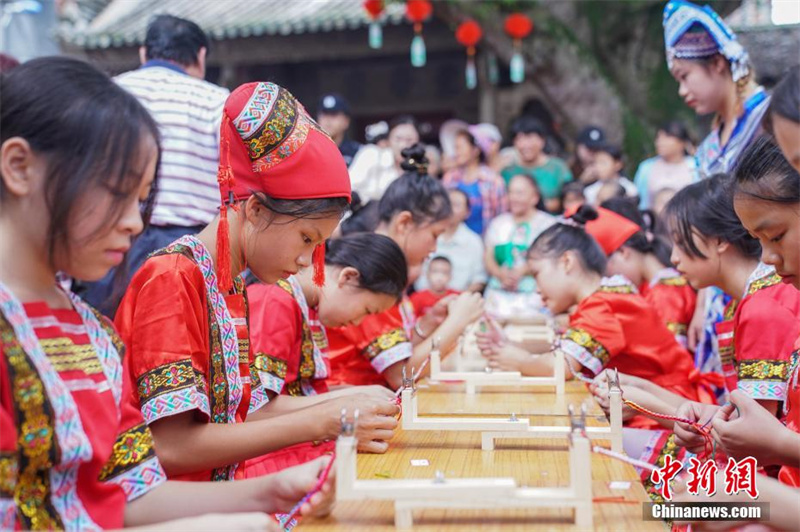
(284, 187)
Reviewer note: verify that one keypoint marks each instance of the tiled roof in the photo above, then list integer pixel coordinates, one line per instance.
(123, 22)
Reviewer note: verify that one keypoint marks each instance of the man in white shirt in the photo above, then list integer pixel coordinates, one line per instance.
(188, 111)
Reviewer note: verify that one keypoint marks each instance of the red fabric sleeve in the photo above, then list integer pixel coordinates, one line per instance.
(275, 335)
(594, 335)
(360, 354)
(163, 320)
(764, 341)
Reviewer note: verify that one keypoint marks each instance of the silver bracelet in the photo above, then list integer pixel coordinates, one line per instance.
(419, 331)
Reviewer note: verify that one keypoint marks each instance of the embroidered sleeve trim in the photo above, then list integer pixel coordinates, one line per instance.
(271, 372)
(584, 339)
(384, 342)
(764, 390)
(581, 355)
(167, 378)
(140, 479)
(391, 356)
(176, 402)
(674, 281)
(258, 397)
(131, 448)
(764, 370)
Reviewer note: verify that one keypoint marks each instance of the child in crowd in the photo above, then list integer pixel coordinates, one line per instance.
(365, 274)
(284, 187)
(672, 168)
(581, 162)
(439, 274)
(77, 175)
(413, 212)
(606, 166)
(551, 173)
(572, 196)
(462, 246)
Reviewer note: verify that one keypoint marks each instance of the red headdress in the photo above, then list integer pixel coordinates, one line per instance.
(610, 229)
(269, 144)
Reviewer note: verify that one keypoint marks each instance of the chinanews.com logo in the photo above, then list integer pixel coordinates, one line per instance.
(739, 477)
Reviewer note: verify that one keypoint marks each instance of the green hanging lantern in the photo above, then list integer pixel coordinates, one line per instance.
(419, 55)
(517, 68)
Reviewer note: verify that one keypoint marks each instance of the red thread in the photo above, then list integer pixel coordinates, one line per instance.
(701, 429)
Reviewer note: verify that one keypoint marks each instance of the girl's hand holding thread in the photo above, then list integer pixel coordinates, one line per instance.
(376, 420)
(436, 314)
(508, 358)
(489, 342)
(740, 428)
(289, 486)
(466, 308)
(685, 434)
(599, 389)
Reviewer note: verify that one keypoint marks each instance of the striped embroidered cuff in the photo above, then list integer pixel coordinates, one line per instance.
(383, 360)
(171, 403)
(583, 356)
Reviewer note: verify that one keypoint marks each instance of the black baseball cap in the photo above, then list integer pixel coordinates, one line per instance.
(591, 137)
(333, 103)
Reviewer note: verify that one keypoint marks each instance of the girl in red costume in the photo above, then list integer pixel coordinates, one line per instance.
(284, 187)
(365, 274)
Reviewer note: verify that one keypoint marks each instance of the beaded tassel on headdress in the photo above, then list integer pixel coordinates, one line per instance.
(225, 180)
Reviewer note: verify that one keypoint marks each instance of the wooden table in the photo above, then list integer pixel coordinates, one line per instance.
(535, 463)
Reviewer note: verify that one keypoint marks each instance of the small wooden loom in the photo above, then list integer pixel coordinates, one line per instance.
(488, 378)
(493, 429)
(468, 493)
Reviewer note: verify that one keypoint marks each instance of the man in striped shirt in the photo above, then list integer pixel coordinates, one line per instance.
(188, 111)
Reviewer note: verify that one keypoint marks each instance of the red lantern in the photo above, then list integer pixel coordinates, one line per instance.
(518, 26)
(468, 34)
(418, 11)
(374, 8)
